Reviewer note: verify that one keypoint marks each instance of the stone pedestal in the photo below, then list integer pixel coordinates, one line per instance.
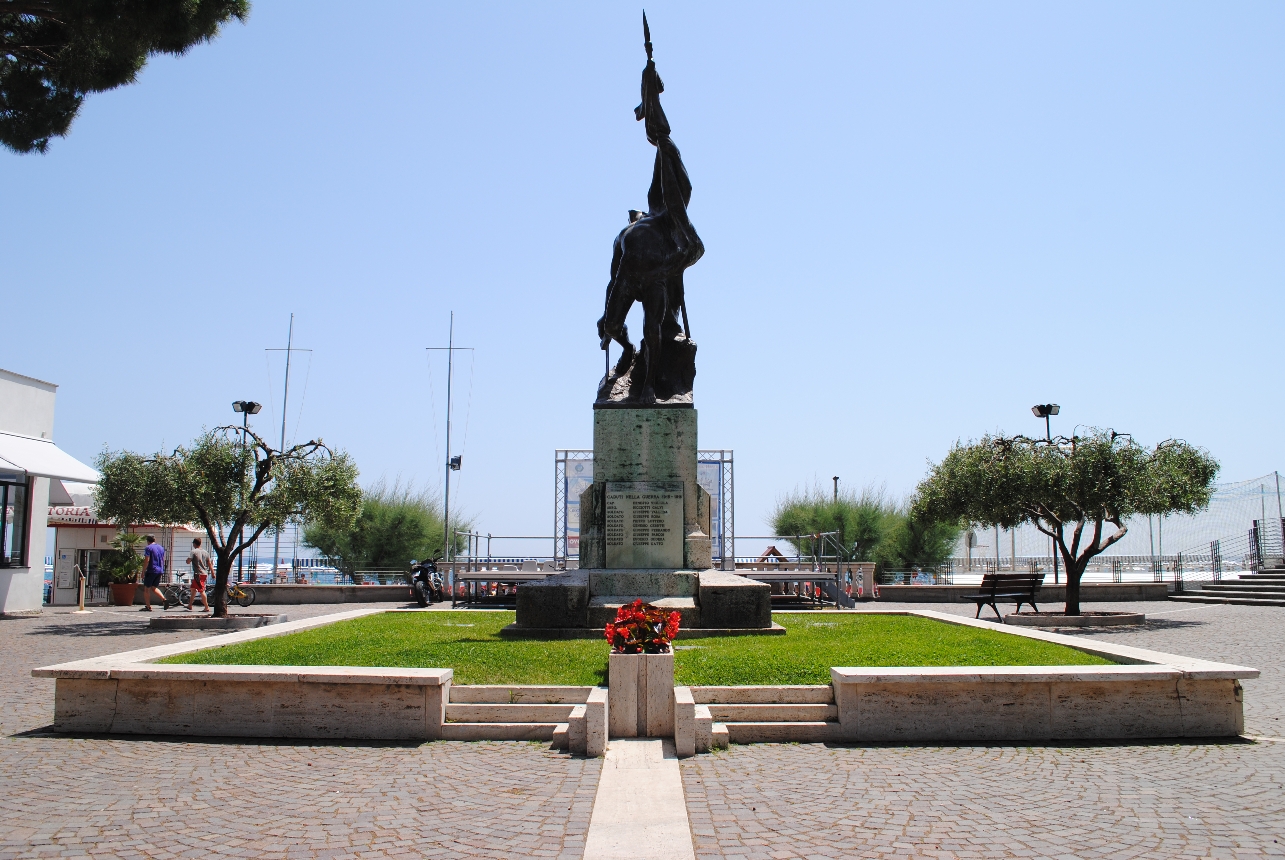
(644, 535)
(641, 692)
(643, 461)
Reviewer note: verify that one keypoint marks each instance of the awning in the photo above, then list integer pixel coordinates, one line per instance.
(42, 458)
(58, 495)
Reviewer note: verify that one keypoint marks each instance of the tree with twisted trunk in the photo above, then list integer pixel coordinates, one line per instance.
(235, 489)
(1079, 490)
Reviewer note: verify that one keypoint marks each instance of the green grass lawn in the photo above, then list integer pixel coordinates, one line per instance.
(469, 643)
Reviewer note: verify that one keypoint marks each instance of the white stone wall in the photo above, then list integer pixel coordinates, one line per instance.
(27, 407)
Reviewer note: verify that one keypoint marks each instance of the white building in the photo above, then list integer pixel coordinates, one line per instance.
(30, 463)
(80, 539)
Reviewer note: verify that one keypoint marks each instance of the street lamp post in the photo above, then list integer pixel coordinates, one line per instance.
(246, 408)
(1044, 410)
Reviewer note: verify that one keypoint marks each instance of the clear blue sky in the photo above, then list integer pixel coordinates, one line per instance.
(920, 219)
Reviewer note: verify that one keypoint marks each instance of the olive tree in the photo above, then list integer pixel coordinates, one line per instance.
(235, 490)
(1079, 491)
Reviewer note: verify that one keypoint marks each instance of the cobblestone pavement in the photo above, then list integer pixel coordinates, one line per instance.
(171, 798)
(1145, 800)
(157, 797)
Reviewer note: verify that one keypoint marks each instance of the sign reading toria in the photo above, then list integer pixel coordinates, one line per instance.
(644, 527)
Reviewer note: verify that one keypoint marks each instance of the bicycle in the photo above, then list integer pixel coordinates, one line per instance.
(243, 595)
(176, 593)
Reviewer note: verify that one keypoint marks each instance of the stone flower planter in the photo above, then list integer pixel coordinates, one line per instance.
(123, 593)
(640, 688)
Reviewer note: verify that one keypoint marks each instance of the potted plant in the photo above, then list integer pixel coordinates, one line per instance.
(640, 671)
(641, 628)
(122, 564)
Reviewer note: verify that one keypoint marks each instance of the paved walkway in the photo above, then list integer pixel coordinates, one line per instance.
(135, 798)
(1147, 800)
(114, 797)
(639, 803)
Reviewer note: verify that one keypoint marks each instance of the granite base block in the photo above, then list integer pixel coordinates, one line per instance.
(561, 600)
(729, 600)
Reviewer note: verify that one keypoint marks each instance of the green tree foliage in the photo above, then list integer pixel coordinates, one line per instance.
(912, 542)
(396, 525)
(236, 491)
(870, 528)
(1070, 489)
(55, 52)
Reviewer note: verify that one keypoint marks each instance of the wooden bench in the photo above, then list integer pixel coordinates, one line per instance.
(1017, 587)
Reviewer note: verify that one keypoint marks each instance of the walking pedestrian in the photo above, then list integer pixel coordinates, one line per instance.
(201, 568)
(152, 573)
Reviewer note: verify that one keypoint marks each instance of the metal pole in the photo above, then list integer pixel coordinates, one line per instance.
(446, 495)
(1280, 517)
(1048, 436)
(80, 609)
(1160, 529)
(240, 557)
(285, 402)
(1262, 502)
(1151, 534)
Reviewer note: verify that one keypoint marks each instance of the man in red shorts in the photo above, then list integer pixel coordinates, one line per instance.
(201, 569)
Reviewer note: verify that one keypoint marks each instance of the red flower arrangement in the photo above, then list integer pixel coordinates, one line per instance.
(641, 628)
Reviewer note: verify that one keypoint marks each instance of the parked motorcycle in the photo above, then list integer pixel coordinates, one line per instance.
(426, 582)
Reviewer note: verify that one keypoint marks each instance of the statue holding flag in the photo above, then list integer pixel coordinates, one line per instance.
(647, 264)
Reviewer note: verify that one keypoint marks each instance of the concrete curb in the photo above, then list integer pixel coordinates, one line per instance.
(1113, 619)
(243, 621)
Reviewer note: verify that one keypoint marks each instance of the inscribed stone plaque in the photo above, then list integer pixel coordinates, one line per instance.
(644, 525)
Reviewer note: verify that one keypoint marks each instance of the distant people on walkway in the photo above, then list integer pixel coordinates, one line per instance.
(152, 573)
(201, 569)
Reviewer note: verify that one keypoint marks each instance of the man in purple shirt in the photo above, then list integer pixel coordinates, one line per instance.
(155, 555)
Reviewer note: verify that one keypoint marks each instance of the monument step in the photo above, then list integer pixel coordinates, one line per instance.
(1238, 587)
(603, 609)
(518, 694)
(499, 731)
(789, 694)
(474, 713)
(662, 583)
(1240, 601)
(781, 732)
(773, 713)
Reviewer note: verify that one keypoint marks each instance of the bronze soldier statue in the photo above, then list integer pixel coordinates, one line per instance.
(647, 264)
